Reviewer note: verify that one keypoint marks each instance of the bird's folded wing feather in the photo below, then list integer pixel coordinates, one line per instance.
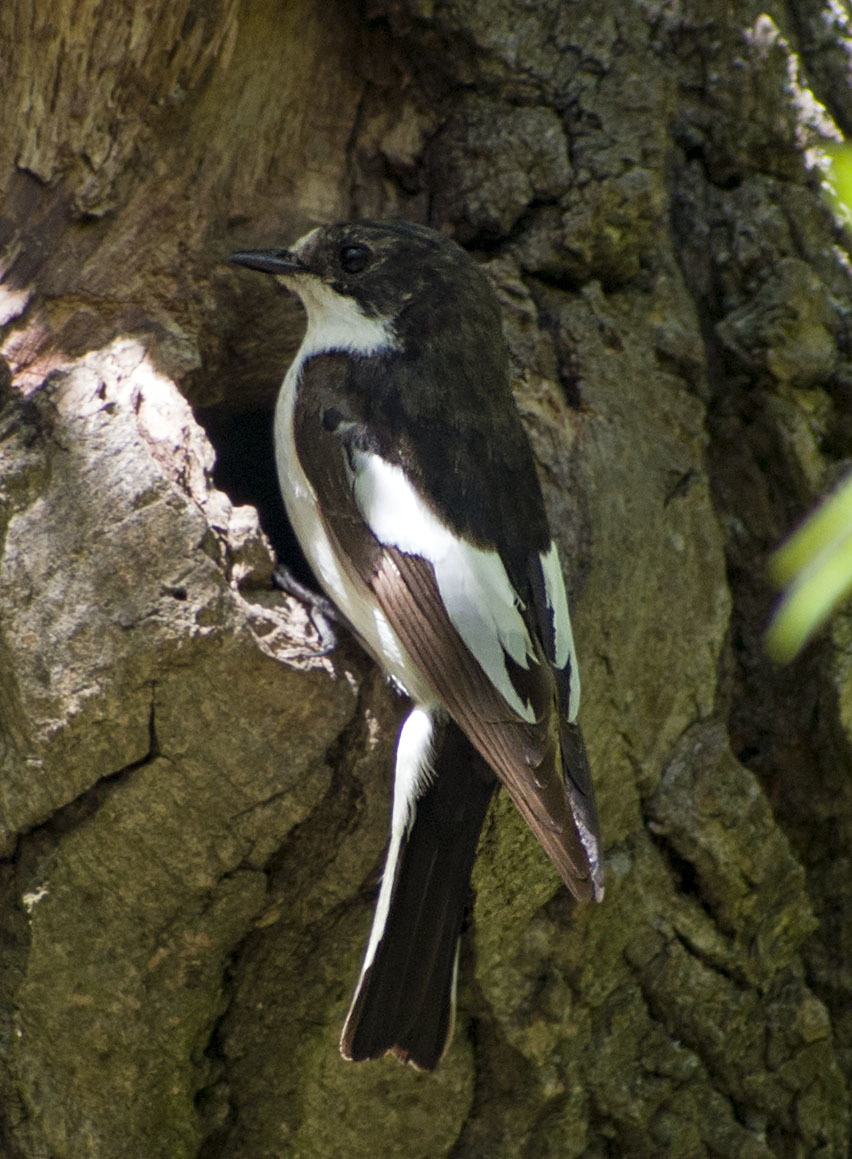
(458, 617)
(527, 756)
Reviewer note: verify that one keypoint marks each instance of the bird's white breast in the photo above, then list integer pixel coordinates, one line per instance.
(342, 586)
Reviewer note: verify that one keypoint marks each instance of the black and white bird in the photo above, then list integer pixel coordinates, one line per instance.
(410, 483)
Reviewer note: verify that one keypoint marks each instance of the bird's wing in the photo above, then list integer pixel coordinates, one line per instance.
(502, 666)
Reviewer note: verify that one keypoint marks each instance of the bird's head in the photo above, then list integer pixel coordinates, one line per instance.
(391, 273)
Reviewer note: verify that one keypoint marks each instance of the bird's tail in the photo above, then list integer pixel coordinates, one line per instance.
(405, 998)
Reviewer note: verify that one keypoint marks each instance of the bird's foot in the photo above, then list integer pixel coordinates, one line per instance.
(321, 611)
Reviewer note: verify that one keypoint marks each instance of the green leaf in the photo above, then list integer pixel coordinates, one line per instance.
(815, 566)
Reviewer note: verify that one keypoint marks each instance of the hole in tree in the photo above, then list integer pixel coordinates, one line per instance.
(245, 471)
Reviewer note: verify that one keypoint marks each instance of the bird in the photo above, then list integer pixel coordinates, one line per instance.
(410, 483)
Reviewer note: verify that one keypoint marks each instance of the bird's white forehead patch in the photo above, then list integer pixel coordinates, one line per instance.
(337, 322)
(304, 242)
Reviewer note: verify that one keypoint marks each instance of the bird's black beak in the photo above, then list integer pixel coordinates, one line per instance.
(269, 261)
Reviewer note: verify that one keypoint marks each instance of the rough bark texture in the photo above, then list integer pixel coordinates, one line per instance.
(193, 801)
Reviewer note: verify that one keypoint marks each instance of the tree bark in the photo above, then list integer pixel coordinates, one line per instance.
(194, 800)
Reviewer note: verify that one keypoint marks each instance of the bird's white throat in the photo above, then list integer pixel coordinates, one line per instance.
(337, 322)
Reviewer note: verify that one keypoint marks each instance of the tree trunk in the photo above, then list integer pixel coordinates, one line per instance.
(195, 800)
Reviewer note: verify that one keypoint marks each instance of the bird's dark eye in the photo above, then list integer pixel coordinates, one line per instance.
(354, 257)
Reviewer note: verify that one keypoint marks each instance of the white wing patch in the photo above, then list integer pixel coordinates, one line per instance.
(479, 598)
(563, 637)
